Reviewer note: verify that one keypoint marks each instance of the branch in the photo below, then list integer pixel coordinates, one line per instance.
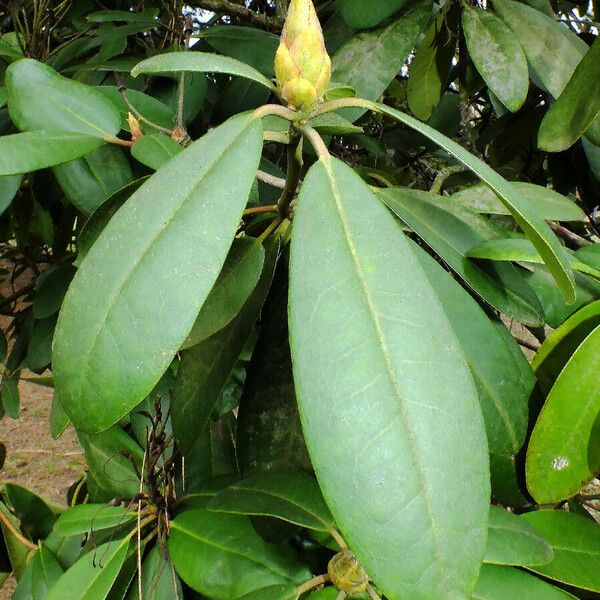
(236, 10)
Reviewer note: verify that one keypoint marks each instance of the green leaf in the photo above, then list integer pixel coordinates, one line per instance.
(273, 592)
(109, 456)
(512, 541)
(388, 407)
(502, 375)
(127, 16)
(370, 60)
(576, 107)
(504, 583)
(292, 496)
(497, 55)
(590, 255)
(201, 62)
(46, 571)
(430, 69)
(548, 204)
(155, 150)
(37, 518)
(360, 15)
(451, 233)
(576, 544)
(93, 575)
(39, 351)
(269, 434)
(11, 399)
(59, 420)
(157, 578)
(564, 450)
(50, 289)
(535, 31)
(233, 559)
(17, 552)
(205, 368)
(40, 98)
(92, 517)
(89, 181)
(24, 152)
(534, 228)
(237, 280)
(9, 186)
(561, 344)
(104, 362)
(334, 124)
(248, 45)
(152, 109)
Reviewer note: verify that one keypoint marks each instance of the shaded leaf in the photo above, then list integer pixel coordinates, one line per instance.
(11, 399)
(157, 578)
(37, 518)
(9, 186)
(390, 445)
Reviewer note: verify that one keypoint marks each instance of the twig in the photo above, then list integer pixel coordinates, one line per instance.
(294, 170)
(16, 533)
(568, 235)
(237, 10)
(139, 528)
(259, 210)
(277, 182)
(312, 584)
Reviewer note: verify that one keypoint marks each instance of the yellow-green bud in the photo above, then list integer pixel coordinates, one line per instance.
(302, 65)
(346, 573)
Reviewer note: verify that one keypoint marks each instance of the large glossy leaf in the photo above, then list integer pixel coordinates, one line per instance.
(205, 368)
(273, 592)
(104, 361)
(505, 583)
(237, 280)
(92, 517)
(370, 60)
(548, 204)
(40, 98)
(534, 228)
(89, 181)
(590, 255)
(93, 575)
(502, 375)
(24, 152)
(230, 558)
(497, 55)
(576, 108)
(576, 544)
(360, 15)
(559, 347)
(513, 541)
(202, 62)
(452, 235)
(378, 369)
(564, 450)
(36, 516)
(293, 496)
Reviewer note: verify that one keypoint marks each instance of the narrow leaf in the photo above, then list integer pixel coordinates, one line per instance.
(292, 496)
(105, 362)
(564, 450)
(155, 150)
(397, 399)
(576, 544)
(25, 152)
(92, 517)
(548, 204)
(534, 228)
(46, 571)
(576, 108)
(198, 62)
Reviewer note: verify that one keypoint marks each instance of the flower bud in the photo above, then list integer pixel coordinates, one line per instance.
(302, 65)
(346, 573)
(134, 127)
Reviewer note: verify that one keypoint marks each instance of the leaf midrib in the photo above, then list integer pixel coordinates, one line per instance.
(387, 357)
